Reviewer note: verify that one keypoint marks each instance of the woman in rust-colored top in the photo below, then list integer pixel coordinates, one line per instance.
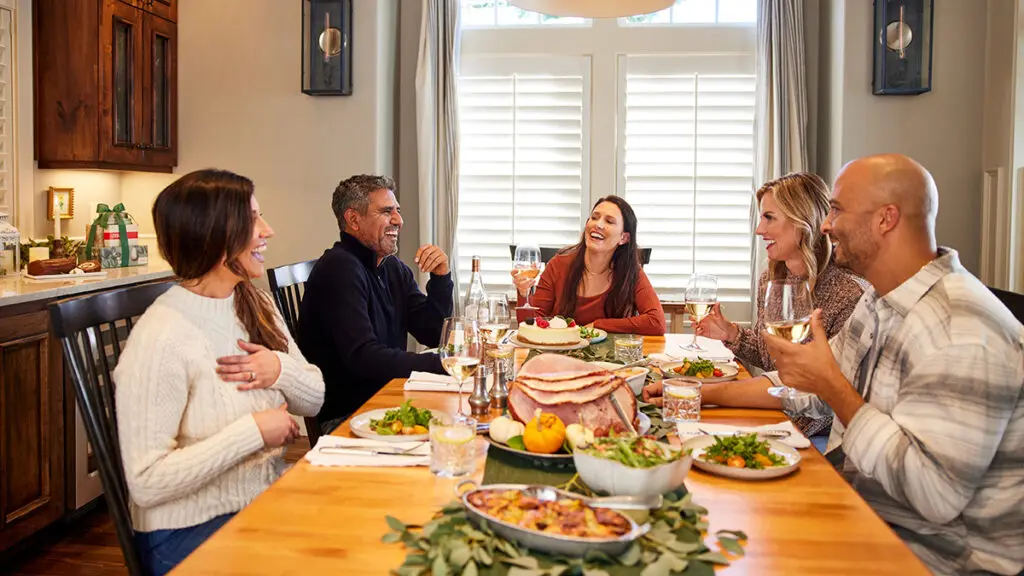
(599, 281)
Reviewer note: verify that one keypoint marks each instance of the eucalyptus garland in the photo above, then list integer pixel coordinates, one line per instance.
(450, 544)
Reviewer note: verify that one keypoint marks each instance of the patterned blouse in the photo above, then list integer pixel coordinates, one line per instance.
(836, 292)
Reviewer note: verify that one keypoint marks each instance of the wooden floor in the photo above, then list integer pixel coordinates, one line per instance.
(86, 546)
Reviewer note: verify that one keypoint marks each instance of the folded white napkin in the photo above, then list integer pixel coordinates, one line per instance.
(427, 382)
(687, 430)
(674, 352)
(357, 452)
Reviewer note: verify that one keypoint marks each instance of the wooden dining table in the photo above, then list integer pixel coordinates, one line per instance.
(329, 520)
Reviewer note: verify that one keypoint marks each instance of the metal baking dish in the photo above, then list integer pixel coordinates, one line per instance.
(551, 543)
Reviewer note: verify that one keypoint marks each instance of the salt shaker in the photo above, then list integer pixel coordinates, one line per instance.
(479, 402)
(499, 391)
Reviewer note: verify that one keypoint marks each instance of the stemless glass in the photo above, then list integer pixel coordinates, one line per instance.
(701, 295)
(787, 314)
(460, 351)
(527, 263)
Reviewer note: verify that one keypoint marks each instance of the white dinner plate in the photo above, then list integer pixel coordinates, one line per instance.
(701, 443)
(360, 425)
(729, 372)
(514, 339)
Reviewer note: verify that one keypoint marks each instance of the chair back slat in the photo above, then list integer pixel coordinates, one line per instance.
(92, 330)
(287, 287)
(549, 252)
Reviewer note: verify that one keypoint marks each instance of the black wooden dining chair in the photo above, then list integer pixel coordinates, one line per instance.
(1012, 300)
(548, 252)
(286, 286)
(92, 331)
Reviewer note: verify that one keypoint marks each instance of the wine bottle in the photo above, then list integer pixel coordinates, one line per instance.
(476, 296)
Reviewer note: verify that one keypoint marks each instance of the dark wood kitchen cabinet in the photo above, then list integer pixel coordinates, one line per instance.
(106, 84)
(32, 493)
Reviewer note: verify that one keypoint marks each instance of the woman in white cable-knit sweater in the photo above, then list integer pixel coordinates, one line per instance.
(209, 374)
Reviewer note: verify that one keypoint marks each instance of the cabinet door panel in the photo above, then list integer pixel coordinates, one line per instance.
(164, 8)
(121, 115)
(31, 429)
(161, 92)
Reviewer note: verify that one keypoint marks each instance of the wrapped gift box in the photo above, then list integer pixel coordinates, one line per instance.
(110, 256)
(112, 235)
(113, 239)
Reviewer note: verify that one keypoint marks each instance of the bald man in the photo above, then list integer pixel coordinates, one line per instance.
(925, 381)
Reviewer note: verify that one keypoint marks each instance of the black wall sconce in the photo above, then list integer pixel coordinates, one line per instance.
(327, 47)
(903, 46)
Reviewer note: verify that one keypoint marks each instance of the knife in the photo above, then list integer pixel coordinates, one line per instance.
(622, 415)
(366, 451)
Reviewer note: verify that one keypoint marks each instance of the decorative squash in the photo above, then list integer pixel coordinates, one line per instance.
(503, 428)
(545, 434)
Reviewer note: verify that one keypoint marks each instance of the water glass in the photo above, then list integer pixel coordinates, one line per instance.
(629, 348)
(452, 446)
(503, 357)
(680, 400)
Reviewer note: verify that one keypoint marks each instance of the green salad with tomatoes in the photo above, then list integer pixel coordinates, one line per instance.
(633, 451)
(742, 451)
(406, 420)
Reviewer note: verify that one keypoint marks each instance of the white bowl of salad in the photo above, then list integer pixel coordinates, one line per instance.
(631, 466)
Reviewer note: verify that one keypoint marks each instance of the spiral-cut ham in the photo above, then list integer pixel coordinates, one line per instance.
(573, 390)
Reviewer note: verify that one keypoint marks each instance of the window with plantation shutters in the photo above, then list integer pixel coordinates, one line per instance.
(686, 165)
(658, 110)
(523, 150)
(7, 183)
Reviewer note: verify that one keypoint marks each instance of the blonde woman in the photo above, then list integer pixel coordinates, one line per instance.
(793, 208)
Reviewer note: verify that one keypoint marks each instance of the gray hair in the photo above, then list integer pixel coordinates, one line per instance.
(355, 192)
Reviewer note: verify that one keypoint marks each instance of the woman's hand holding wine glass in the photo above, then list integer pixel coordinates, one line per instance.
(526, 267)
(717, 327)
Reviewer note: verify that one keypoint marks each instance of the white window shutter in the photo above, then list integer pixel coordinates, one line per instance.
(523, 159)
(687, 169)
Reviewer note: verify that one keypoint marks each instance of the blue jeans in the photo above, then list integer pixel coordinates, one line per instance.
(162, 550)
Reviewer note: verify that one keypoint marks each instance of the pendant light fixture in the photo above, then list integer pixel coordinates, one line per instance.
(593, 8)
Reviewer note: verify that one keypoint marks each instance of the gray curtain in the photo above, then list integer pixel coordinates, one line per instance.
(780, 117)
(781, 112)
(437, 127)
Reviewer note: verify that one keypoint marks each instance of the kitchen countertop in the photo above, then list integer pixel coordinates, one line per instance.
(18, 289)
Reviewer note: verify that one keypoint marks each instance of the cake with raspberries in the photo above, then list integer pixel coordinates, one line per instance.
(556, 331)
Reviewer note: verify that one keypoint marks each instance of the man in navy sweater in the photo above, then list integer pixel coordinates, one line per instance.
(361, 301)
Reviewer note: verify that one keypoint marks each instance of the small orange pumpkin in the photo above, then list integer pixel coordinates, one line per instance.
(545, 434)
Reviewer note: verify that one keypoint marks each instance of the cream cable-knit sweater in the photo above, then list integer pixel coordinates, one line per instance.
(190, 445)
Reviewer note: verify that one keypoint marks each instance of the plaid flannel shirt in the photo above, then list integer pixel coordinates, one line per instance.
(938, 450)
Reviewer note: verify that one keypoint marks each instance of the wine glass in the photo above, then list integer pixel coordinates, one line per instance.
(701, 295)
(493, 317)
(787, 314)
(460, 351)
(527, 263)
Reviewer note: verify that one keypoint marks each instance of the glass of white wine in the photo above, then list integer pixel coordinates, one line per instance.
(460, 351)
(787, 314)
(494, 318)
(701, 296)
(527, 263)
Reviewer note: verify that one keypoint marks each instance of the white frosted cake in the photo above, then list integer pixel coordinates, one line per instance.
(549, 332)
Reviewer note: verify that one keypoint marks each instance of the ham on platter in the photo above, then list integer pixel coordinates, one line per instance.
(574, 390)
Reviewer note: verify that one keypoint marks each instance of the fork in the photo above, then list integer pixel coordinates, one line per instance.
(776, 434)
(372, 450)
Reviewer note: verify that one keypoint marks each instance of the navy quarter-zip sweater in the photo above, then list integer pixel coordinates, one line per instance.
(354, 318)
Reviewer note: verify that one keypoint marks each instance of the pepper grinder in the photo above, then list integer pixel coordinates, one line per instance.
(499, 391)
(479, 402)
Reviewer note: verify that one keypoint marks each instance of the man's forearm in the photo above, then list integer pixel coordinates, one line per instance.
(749, 393)
(844, 400)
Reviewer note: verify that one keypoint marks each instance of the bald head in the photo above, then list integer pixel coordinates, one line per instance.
(893, 179)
